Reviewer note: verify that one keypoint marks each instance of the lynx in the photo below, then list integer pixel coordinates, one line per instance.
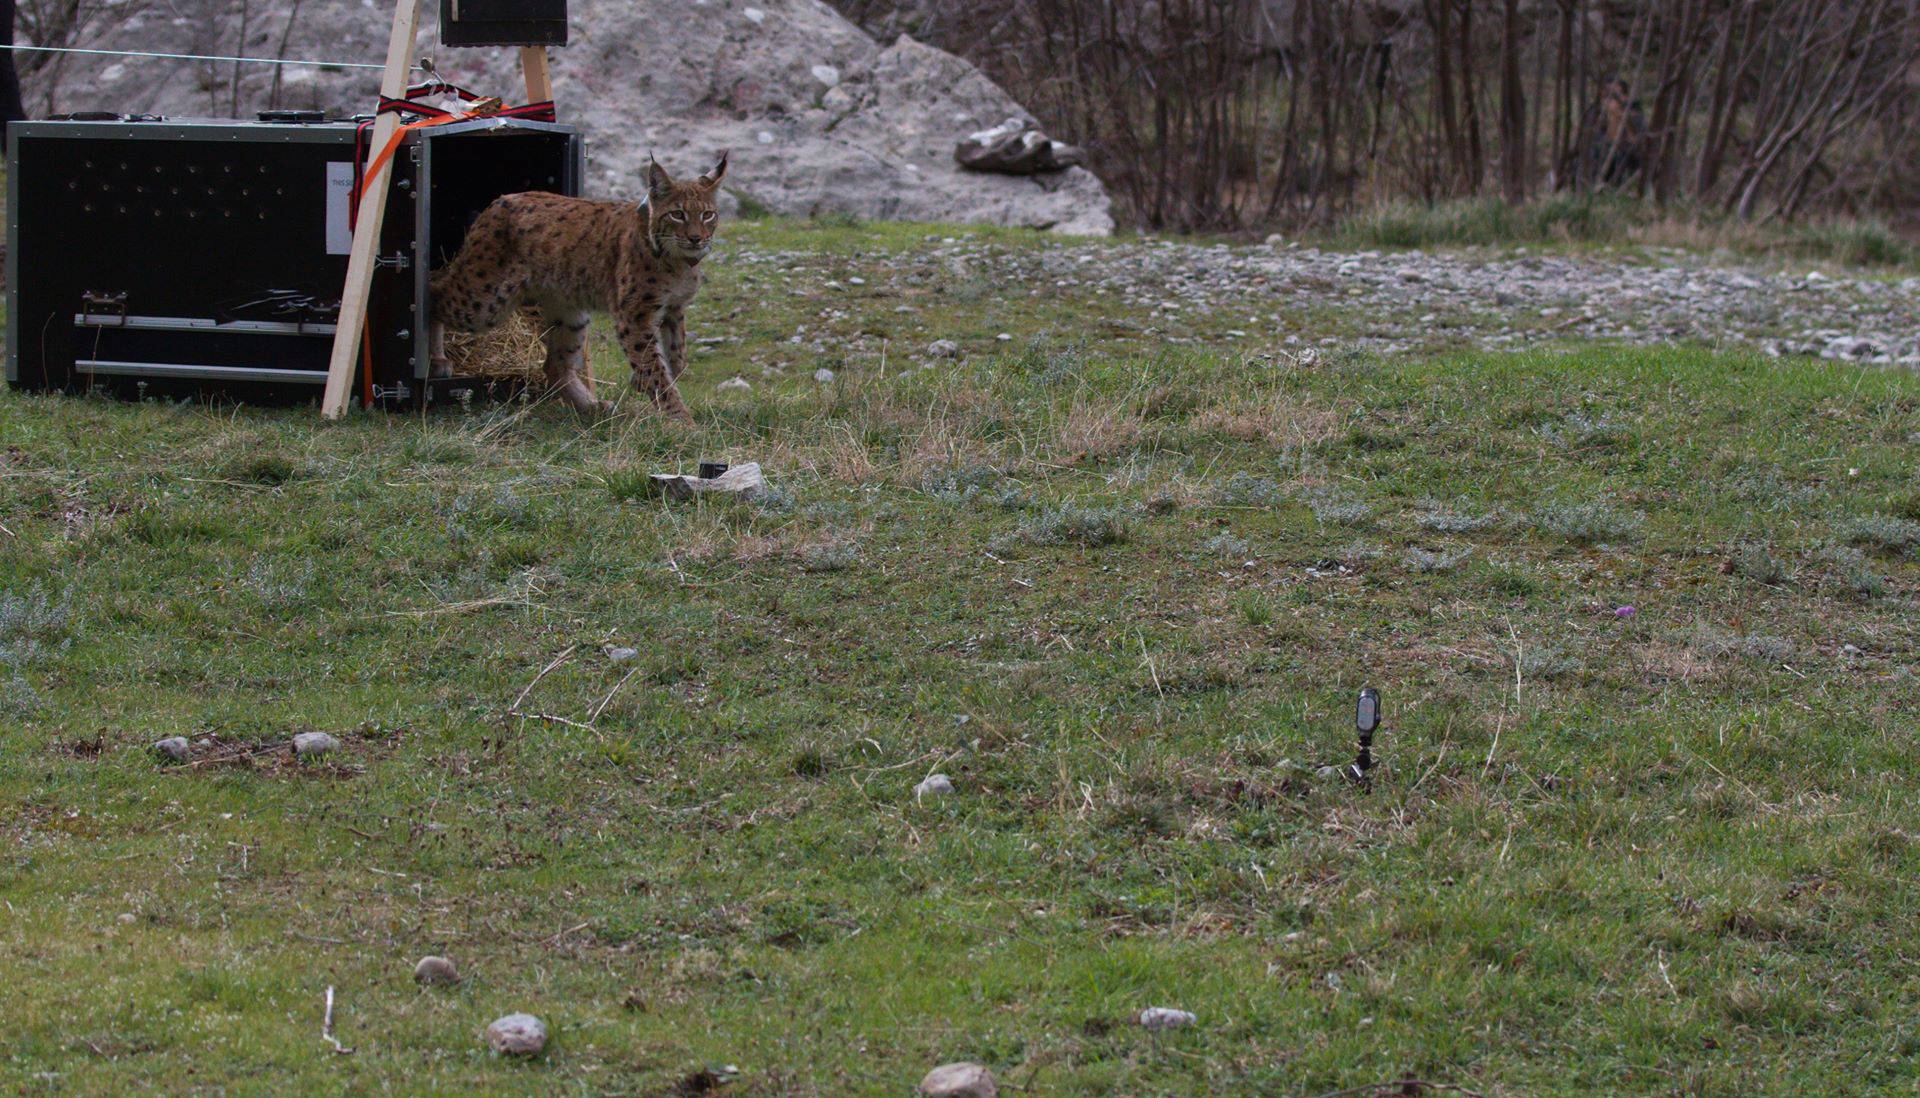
(569, 257)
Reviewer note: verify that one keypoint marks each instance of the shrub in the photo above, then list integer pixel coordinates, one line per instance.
(1441, 520)
(1886, 534)
(1586, 523)
(1425, 560)
(1247, 490)
(1094, 526)
(1757, 563)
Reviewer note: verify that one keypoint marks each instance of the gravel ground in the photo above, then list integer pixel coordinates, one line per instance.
(1183, 292)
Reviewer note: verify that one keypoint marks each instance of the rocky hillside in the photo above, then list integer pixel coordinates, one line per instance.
(821, 118)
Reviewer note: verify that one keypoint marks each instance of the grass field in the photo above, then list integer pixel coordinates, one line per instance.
(1122, 591)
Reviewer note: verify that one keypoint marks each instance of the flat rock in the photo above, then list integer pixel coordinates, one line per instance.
(312, 745)
(936, 785)
(174, 749)
(744, 480)
(622, 655)
(824, 376)
(436, 971)
(962, 1080)
(517, 1035)
(944, 348)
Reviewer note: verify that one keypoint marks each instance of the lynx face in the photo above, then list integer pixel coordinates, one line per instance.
(683, 215)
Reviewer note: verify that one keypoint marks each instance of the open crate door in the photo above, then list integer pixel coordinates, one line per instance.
(531, 25)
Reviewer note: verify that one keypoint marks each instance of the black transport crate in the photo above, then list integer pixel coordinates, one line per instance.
(503, 22)
(158, 257)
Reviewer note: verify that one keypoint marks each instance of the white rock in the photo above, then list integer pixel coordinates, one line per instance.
(765, 137)
(1164, 1018)
(517, 1035)
(314, 744)
(735, 382)
(622, 655)
(936, 785)
(1004, 336)
(944, 348)
(436, 971)
(174, 748)
(911, 101)
(826, 74)
(961, 1080)
(824, 376)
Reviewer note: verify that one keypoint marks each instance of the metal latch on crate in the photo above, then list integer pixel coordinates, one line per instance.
(398, 261)
(398, 391)
(96, 304)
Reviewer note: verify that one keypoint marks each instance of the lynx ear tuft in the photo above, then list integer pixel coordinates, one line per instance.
(718, 172)
(659, 183)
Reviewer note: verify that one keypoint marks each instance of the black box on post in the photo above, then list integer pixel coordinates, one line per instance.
(176, 257)
(503, 22)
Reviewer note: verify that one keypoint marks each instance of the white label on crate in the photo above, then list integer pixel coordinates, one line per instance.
(339, 203)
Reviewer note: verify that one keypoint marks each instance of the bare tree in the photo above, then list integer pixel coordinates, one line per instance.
(1231, 113)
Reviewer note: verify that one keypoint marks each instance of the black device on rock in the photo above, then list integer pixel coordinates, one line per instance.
(174, 257)
(503, 22)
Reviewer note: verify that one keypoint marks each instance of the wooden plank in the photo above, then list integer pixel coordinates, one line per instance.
(533, 64)
(372, 216)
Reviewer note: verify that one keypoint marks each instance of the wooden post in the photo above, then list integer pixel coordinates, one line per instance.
(533, 65)
(372, 216)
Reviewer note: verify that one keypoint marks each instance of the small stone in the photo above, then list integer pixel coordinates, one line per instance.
(826, 74)
(735, 382)
(944, 348)
(1164, 1018)
(622, 655)
(127, 918)
(755, 16)
(961, 1080)
(314, 744)
(174, 748)
(765, 137)
(517, 1035)
(936, 785)
(1004, 336)
(824, 376)
(435, 971)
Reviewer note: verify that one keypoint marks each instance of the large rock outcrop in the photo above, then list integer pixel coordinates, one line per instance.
(820, 117)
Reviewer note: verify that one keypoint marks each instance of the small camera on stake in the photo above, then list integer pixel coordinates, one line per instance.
(1366, 718)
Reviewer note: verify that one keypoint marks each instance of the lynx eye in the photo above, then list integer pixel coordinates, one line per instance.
(707, 217)
(676, 215)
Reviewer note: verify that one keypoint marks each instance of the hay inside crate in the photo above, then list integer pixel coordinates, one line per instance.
(510, 351)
